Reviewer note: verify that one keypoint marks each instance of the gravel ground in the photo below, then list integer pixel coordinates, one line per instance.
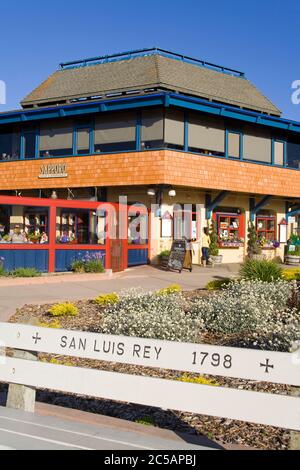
(219, 429)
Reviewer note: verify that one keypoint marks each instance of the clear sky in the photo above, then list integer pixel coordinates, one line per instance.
(261, 38)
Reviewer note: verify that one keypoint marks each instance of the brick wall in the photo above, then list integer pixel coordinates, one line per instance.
(154, 167)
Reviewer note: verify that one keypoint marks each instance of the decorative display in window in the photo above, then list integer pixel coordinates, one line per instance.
(229, 230)
(266, 231)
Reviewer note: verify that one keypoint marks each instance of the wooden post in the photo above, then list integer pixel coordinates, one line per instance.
(21, 397)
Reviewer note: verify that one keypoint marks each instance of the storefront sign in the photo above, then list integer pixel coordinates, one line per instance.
(53, 171)
(177, 255)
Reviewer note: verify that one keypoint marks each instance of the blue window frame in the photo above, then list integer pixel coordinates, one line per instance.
(83, 139)
(278, 152)
(234, 144)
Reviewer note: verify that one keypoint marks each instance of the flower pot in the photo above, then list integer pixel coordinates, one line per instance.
(216, 259)
(164, 261)
(292, 260)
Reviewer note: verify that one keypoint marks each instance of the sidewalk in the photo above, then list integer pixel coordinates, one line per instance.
(47, 289)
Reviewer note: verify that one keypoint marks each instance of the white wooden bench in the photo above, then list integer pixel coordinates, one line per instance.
(255, 365)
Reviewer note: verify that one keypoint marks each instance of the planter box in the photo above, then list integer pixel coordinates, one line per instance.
(292, 260)
(164, 261)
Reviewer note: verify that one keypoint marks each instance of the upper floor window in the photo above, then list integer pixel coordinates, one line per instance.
(56, 139)
(234, 144)
(115, 132)
(257, 145)
(30, 143)
(206, 135)
(293, 154)
(83, 141)
(10, 145)
(279, 150)
(174, 129)
(152, 133)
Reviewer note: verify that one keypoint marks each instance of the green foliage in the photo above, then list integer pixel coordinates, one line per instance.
(296, 251)
(25, 272)
(106, 299)
(262, 270)
(172, 289)
(165, 253)
(214, 242)
(218, 284)
(3, 273)
(90, 266)
(254, 247)
(197, 380)
(146, 420)
(64, 310)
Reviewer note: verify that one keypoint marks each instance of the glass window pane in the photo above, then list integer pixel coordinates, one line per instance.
(83, 141)
(206, 135)
(257, 145)
(152, 133)
(10, 145)
(278, 153)
(174, 128)
(233, 145)
(115, 132)
(56, 139)
(293, 154)
(30, 144)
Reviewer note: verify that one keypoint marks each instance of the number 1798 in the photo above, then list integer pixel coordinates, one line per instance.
(215, 359)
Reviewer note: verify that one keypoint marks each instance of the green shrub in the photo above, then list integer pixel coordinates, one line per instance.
(261, 270)
(254, 247)
(94, 266)
(148, 315)
(172, 289)
(164, 253)
(3, 273)
(146, 420)
(25, 272)
(77, 266)
(296, 251)
(107, 299)
(218, 284)
(214, 242)
(53, 324)
(64, 310)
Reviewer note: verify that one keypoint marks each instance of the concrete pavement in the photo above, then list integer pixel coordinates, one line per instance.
(28, 431)
(16, 295)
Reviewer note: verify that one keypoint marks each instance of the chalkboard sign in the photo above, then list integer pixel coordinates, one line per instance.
(177, 255)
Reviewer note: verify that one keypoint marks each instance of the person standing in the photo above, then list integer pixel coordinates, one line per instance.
(205, 246)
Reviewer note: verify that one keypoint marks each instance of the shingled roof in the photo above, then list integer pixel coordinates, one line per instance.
(148, 73)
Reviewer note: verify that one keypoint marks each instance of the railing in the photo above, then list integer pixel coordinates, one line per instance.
(256, 407)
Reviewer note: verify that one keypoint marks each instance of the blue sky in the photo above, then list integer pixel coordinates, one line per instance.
(260, 38)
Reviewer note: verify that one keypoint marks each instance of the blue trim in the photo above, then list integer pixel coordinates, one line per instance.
(254, 208)
(149, 51)
(178, 100)
(210, 204)
(138, 131)
(14, 259)
(22, 146)
(186, 132)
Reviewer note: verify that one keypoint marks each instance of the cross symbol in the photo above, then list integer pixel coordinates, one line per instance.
(36, 338)
(267, 366)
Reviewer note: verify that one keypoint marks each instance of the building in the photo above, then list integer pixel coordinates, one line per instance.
(159, 128)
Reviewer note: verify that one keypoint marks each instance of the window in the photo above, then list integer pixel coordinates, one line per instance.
(56, 139)
(266, 229)
(19, 224)
(83, 141)
(257, 145)
(137, 226)
(116, 132)
(78, 226)
(30, 144)
(293, 154)
(234, 144)
(206, 135)
(278, 150)
(10, 145)
(230, 227)
(174, 129)
(152, 132)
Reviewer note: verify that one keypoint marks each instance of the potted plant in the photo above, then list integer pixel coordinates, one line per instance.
(34, 238)
(164, 258)
(214, 244)
(254, 244)
(293, 251)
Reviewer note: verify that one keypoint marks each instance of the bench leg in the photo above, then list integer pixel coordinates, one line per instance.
(21, 397)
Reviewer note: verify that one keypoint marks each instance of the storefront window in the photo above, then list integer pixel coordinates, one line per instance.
(266, 229)
(257, 145)
(230, 227)
(30, 144)
(115, 132)
(56, 139)
(137, 228)
(19, 224)
(10, 145)
(79, 226)
(83, 141)
(174, 129)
